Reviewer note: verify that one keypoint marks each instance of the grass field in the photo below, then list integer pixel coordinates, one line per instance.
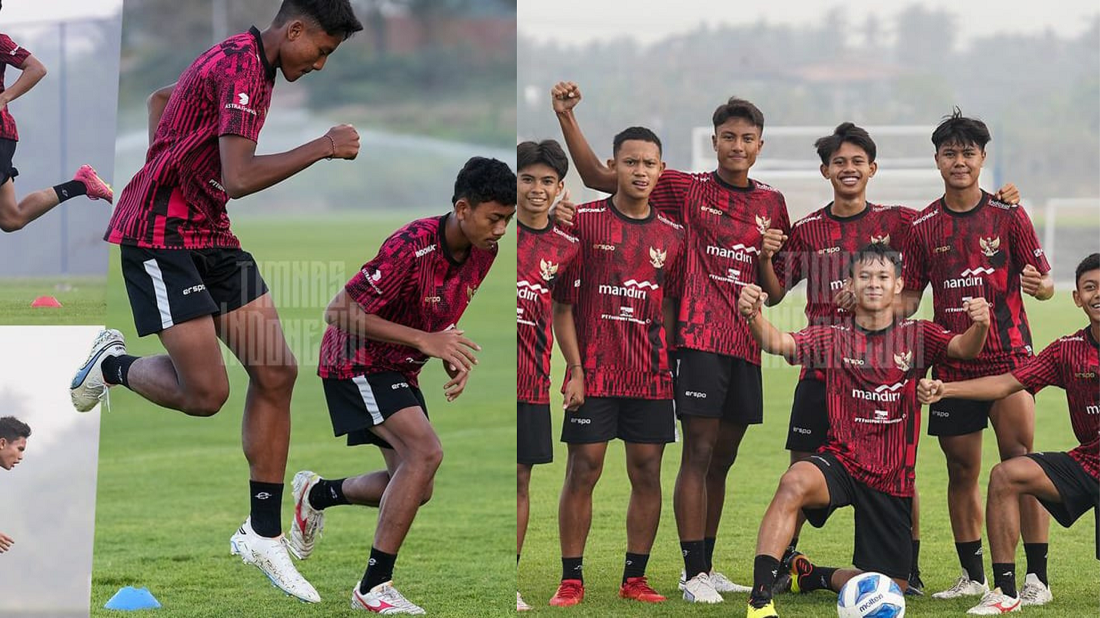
(1073, 570)
(83, 300)
(172, 489)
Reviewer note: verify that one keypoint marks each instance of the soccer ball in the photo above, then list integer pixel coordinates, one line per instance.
(870, 595)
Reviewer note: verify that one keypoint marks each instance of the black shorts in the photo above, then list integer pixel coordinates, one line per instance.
(1079, 491)
(958, 417)
(718, 386)
(534, 442)
(883, 523)
(809, 426)
(357, 404)
(602, 419)
(7, 153)
(170, 286)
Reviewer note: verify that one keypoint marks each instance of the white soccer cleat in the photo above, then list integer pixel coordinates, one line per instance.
(699, 589)
(308, 522)
(994, 603)
(271, 557)
(384, 599)
(1034, 592)
(521, 605)
(87, 388)
(964, 587)
(722, 583)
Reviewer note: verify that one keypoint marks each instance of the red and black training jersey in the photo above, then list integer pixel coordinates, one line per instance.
(724, 227)
(543, 257)
(1072, 363)
(820, 248)
(625, 270)
(413, 281)
(979, 253)
(11, 54)
(871, 395)
(176, 201)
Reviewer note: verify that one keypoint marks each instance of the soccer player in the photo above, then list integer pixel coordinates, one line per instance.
(16, 214)
(401, 309)
(968, 244)
(186, 275)
(1066, 484)
(718, 388)
(611, 317)
(13, 442)
(873, 362)
(544, 252)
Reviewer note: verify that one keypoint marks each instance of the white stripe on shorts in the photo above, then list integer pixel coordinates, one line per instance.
(160, 291)
(368, 398)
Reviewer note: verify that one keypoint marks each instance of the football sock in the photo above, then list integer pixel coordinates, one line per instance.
(695, 560)
(379, 570)
(820, 578)
(327, 493)
(68, 190)
(764, 571)
(1004, 577)
(970, 557)
(1037, 560)
(790, 548)
(634, 565)
(572, 568)
(267, 500)
(116, 369)
(914, 569)
(709, 541)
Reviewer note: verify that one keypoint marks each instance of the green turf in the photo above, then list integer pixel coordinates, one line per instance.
(172, 489)
(83, 300)
(1073, 569)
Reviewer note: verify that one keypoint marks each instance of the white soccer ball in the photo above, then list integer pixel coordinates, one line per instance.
(870, 595)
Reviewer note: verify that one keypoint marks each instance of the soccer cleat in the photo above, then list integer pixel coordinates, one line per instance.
(699, 589)
(271, 557)
(916, 585)
(637, 589)
(799, 567)
(570, 592)
(994, 603)
(964, 587)
(384, 599)
(88, 388)
(1034, 592)
(308, 522)
(723, 584)
(95, 186)
(768, 611)
(521, 605)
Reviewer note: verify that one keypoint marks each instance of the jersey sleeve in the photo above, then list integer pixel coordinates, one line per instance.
(239, 82)
(1041, 371)
(914, 261)
(670, 194)
(381, 281)
(934, 340)
(11, 53)
(568, 283)
(1025, 243)
(813, 345)
(674, 274)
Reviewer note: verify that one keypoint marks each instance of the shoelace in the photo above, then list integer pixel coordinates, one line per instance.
(395, 598)
(1030, 592)
(282, 563)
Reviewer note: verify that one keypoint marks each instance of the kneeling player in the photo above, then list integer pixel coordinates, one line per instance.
(867, 460)
(1066, 484)
(399, 310)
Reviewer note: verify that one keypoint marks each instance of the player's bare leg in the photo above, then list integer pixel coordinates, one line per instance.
(964, 500)
(1013, 420)
(368, 489)
(191, 377)
(643, 468)
(801, 486)
(1008, 482)
(583, 467)
(523, 503)
(15, 214)
(725, 453)
(797, 456)
(689, 500)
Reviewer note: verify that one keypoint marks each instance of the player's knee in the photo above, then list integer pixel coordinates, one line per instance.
(582, 474)
(1016, 449)
(10, 224)
(207, 402)
(793, 488)
(962, 473)
(278, 377)
(722, 461)
(429, 457)
(427, 495)
(1001, 479)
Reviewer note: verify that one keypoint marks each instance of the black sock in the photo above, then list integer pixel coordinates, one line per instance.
(68, 190)
(1037, 560)
(327, 493)
(572, 568)
(267, 501)
(379, 570)
(709, 542)
(765, 569)
(820, 578)
(970, 557)
(914, 569)
(116, 369)
(634, 565)
(695, 559)
(1004, 577)
(790, 548)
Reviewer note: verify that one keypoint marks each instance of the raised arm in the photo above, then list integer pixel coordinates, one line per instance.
(244, 172)
(595, 174)
(566, 333)
(989, 388)
(969, 344)
(156, 104)
(772, 242)
(771, 339)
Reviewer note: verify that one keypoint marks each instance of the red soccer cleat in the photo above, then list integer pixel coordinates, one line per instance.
(570, 592)
(637, 588)
(97, 189)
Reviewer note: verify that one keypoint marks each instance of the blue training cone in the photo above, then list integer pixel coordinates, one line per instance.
(130, 598)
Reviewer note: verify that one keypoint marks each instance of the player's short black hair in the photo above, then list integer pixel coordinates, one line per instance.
(12, 429)
(845, 132)
(1092, 262)
(485, 180)
(875, 252)
(548, 152)
(335, 17)
(959, 130)
(738, 108)
(639, 133)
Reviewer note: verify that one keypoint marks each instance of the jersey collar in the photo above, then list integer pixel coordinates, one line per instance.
(268, 69)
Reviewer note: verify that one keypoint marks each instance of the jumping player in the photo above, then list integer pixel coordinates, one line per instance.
(13, 442)
(187, 278)
(401, 309)
(872, 365)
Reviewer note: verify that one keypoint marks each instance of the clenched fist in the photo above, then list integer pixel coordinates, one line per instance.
(751, 300)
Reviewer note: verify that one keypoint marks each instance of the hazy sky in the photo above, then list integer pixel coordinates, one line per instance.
(20, 11)
(581, 21)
